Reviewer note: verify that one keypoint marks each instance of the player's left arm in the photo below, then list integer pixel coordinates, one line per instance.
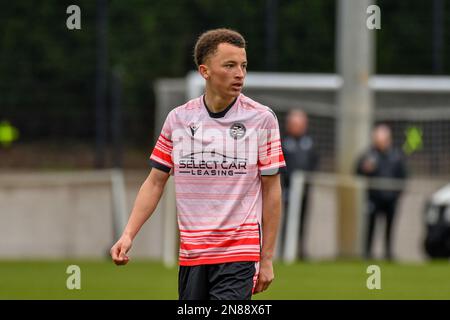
(271, 202)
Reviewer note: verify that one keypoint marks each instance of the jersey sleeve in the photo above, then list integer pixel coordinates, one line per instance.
(161, 157)
(270, 154)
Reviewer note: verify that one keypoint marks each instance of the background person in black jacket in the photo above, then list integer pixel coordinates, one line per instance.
(381, 161)
(299, 154)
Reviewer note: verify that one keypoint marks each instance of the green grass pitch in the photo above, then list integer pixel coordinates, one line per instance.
(150, 280)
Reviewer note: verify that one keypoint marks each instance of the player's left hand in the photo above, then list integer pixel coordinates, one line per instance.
(265, 276)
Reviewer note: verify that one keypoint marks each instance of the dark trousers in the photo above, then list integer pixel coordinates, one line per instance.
(376, 210)
(224, 281)
(301, 251)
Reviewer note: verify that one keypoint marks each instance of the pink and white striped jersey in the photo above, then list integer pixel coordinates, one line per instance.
(217, 160)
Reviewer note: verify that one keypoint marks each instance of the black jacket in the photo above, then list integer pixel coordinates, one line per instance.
(388, 164)
(299, 154)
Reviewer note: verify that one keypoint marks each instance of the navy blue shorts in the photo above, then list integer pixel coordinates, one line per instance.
(224, 281)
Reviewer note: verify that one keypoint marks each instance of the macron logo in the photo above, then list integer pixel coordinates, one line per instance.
(194, 128)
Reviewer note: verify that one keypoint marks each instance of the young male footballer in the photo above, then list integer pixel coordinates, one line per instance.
(224, 152)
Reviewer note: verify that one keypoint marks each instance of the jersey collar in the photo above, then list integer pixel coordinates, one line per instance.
(220, 114)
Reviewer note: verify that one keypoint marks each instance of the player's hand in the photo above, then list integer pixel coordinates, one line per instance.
(265, 276)
(120, 249)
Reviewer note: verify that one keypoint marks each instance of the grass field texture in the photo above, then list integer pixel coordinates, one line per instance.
(150, 280)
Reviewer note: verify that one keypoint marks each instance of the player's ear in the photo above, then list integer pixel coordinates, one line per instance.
(204, 72)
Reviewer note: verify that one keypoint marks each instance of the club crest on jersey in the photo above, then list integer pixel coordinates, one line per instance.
(193, 128)
(237, 130)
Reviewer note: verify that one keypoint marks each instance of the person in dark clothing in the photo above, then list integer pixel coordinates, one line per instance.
(382, 160)
(299, 154)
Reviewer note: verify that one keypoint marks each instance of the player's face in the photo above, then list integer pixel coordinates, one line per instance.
(226, 70)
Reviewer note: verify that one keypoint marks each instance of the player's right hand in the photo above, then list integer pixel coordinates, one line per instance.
(120, 249)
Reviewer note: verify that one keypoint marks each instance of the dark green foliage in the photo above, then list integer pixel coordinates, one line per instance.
(47, 72)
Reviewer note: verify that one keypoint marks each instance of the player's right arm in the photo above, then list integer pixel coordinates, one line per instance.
(144, 205)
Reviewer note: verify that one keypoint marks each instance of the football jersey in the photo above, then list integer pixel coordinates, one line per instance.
(217, 160)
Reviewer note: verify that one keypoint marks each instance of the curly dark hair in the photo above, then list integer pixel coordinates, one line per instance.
(208, 42)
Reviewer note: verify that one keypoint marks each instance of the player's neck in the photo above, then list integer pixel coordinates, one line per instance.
(216, 103)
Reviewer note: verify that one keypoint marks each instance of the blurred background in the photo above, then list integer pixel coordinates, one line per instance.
(80, 110)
